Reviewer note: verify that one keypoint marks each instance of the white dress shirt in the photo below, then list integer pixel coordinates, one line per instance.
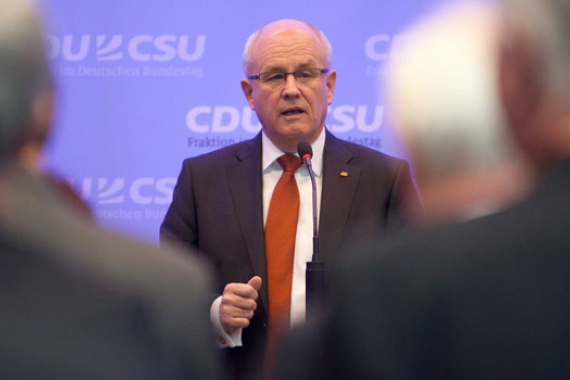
(271, 172)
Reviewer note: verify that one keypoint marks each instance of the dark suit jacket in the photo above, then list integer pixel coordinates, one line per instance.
(488, 299)
(81, 303)
(217, 207)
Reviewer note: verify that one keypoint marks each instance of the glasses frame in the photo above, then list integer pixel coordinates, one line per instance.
(322, 70)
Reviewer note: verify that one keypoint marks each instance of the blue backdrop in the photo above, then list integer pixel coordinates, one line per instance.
(144, 84)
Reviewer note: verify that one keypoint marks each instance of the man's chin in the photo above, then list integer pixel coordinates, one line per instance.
(298, 135)
(287, 142)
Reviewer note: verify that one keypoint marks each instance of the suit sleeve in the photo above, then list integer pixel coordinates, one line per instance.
(179, 225)
(404, 199)
(180, 228)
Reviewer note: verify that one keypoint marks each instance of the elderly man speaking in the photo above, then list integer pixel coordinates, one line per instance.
(247, 207)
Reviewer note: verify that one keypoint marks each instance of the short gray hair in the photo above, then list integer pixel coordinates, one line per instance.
(546, 25)
(24, 71)
(443, 94)
(252, 39)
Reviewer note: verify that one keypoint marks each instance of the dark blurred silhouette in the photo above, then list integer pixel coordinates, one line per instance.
(78, 302)
(486, 298)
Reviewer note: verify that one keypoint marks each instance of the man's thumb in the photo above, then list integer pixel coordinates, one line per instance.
(255, 282)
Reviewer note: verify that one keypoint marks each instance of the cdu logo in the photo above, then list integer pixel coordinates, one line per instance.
(139, 48)
(221, 119)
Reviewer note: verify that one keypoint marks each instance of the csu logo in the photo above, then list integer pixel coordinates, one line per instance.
(144, 191)
(226, 119)
(382, 47)
(140, 48)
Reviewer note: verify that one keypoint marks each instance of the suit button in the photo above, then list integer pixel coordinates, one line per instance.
(222, 341)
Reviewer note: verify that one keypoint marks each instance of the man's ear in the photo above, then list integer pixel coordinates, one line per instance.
(331, 82)
(518, 80)
(533, 114)
(247, 89)
(43, 109)
(38, 128)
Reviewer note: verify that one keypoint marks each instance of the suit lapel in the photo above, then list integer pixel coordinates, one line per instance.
(340, 180)
(245, 181)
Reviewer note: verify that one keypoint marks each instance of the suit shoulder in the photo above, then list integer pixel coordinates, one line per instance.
(170, 267)
(226, 153)
(55, 230)
(365, 156)
(437, 247)
(361, 150)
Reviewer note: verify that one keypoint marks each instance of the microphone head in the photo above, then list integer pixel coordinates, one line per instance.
(304, 150)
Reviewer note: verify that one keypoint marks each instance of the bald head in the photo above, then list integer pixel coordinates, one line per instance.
(24, 71)
(290, 110)
(280, 26)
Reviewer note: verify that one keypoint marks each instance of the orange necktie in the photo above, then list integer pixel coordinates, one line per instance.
(280, 233)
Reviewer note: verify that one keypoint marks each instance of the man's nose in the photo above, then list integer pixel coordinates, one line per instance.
(291, 86)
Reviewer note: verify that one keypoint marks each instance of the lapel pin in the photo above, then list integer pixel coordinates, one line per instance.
(344, 174)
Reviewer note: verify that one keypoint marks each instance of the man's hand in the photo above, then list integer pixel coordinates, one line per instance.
(239, 304)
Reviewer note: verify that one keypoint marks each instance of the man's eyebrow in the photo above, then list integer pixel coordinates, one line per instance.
(274, 68)
(280, 69)
(307, 65)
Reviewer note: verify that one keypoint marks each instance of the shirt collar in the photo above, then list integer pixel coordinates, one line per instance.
(270, 153)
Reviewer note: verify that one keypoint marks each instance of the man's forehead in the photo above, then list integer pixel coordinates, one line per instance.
(283, 30)
(287, 39)
(286, 44)
(285, 24)
(286, 36)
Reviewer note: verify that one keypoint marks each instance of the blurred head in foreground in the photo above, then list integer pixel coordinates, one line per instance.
(26, 93)
(445, 104)
(25, 82)
(535, 77)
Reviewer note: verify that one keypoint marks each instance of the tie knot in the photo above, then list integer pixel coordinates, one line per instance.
(290, 162)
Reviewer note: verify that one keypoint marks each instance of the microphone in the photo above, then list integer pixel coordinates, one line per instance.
(315, 273)
(306, 153)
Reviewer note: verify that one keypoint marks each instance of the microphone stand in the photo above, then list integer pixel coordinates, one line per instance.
(315, 273)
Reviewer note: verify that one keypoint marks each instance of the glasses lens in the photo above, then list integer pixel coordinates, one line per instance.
(303, 77)
(307, 76)
(272, 79)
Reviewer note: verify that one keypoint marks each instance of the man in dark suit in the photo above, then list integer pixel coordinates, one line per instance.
(222, 200)
(77, 302)
(487, 299)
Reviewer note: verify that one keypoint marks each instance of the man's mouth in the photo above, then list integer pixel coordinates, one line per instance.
(292, 111)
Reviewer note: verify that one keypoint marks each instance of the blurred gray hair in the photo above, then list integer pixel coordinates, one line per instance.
(252, 39)
(24, 71)
(546, 25)
(443, 94)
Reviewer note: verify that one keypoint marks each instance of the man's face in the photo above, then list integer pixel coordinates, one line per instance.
(289, 112)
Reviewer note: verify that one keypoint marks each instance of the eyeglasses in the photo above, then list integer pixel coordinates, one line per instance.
(304, 77)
